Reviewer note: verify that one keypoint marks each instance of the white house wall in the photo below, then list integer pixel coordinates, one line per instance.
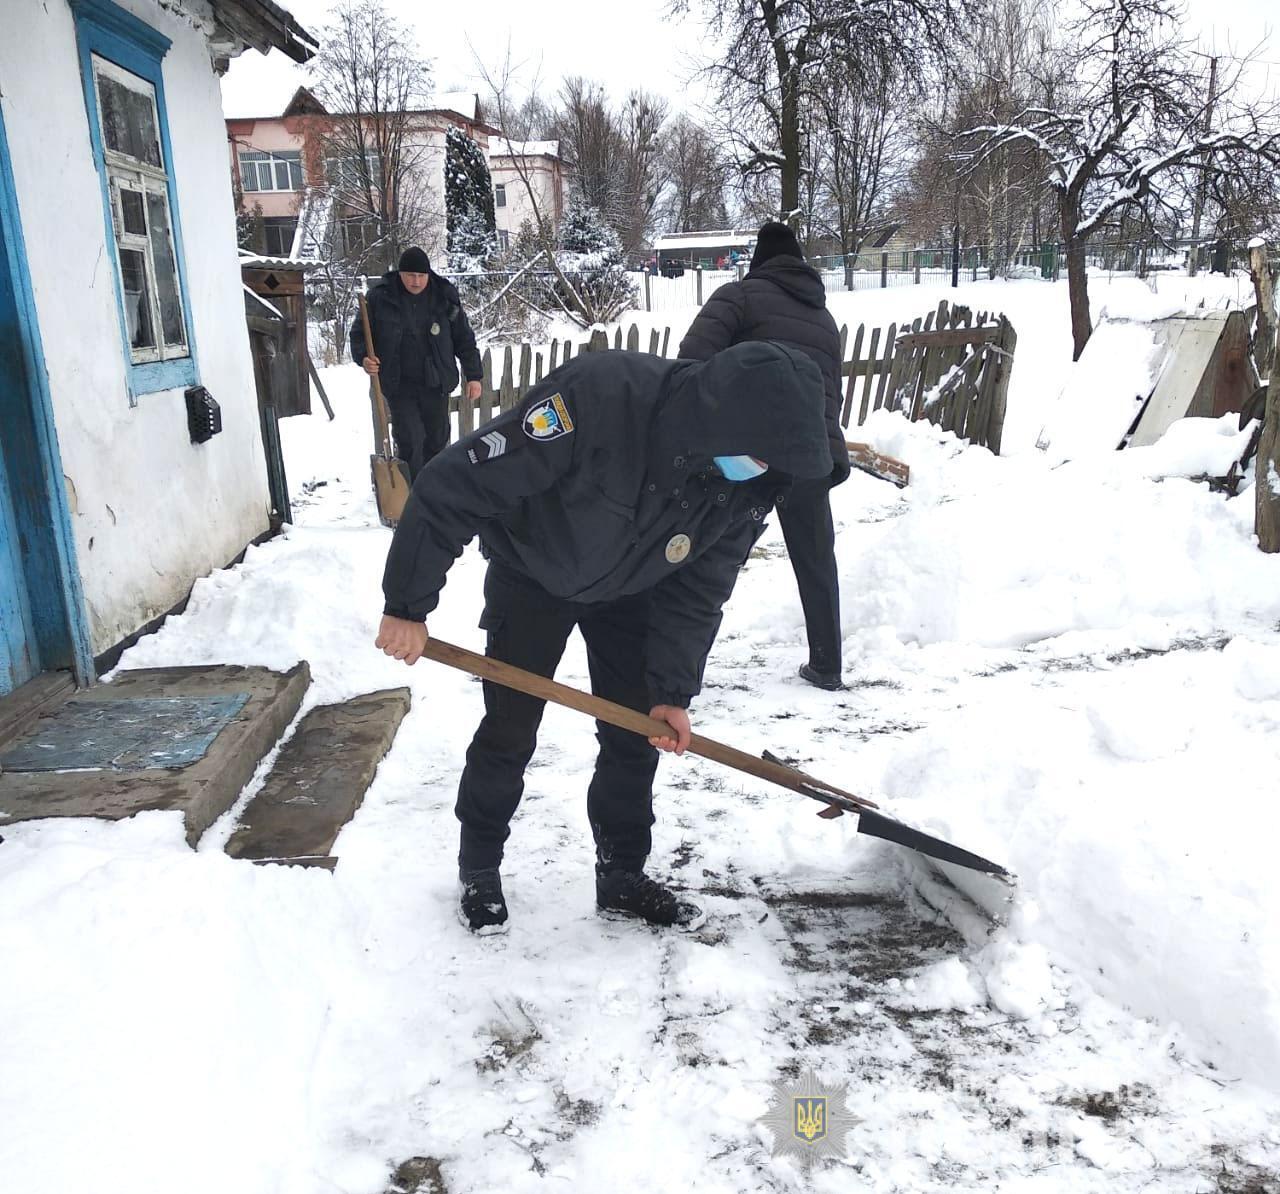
(151, 510)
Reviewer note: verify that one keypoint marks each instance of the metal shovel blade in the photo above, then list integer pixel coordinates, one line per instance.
(878, 825)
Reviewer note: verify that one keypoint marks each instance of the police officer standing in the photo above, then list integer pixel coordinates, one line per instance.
(783, 299)
(420, 333)
(620, 496)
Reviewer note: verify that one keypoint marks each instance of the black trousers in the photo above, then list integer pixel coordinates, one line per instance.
(529, 627)
(811, 543)
(420, 424)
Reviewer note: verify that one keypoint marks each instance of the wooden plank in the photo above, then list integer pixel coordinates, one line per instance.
(872, 355)
(655, 341)
(890, 343)
(507, 390)
(1000, 394)
(666, 340)
(887, 468)
(526, 366)
(633, 339)
(617, 338)
(537, 368)
(319, 779)
(956, 336)
(851, 384)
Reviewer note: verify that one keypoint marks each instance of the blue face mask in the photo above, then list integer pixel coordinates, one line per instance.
(739, 468)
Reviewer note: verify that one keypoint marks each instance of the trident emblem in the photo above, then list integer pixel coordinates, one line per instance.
(811, 1119)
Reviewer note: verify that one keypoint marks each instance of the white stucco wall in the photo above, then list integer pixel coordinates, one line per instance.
(151, 510)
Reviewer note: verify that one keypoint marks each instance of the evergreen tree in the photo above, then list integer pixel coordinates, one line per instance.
(469, 211)
(589, 254)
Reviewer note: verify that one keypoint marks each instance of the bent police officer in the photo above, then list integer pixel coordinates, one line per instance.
(621, 496)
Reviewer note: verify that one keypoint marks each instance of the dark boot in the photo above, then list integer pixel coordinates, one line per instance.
(632, 895)
(830, 681)
(481, 906)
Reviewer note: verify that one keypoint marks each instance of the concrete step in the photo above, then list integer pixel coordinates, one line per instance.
(319, 780)
(128, 746)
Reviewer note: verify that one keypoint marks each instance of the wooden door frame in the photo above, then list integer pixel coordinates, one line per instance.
(29, 438)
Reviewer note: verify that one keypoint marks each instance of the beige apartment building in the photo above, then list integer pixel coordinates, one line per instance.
(282, 176)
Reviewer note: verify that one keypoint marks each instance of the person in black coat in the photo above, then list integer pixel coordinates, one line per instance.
(783, 299)
(418, 328)
(621, 495)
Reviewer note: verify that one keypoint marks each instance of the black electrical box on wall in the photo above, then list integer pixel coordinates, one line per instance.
(204, 415)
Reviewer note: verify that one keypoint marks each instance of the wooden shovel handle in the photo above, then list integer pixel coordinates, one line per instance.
(638, 723)
(380, 416)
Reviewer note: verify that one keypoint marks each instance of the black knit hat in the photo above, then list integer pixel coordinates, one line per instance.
(775, 240)
(414, 261)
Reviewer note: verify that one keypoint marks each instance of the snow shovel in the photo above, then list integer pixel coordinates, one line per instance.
(837, 801)
(390, 476)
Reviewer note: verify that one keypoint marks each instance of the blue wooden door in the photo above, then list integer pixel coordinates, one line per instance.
(18, 661)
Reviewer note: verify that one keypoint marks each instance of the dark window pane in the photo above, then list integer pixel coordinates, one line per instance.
(137, 298)
(166, 270)
(248, 174)
(295, 176)
(282, 176)
(132, 214)
(500, 195)
(128, 120)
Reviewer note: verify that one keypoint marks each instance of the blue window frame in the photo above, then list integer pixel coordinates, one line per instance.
(120, 66)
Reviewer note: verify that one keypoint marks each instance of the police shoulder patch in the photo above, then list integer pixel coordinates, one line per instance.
(548, 419)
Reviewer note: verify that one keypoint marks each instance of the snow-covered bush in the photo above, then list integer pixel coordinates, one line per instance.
(469, 213)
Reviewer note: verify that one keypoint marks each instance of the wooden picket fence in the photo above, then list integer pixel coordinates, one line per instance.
(949, 367)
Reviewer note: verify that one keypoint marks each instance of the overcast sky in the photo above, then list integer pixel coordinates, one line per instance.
(623, 44)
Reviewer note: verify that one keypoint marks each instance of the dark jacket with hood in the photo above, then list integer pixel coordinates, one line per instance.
(784, 300)
(600, 484)
(437, 315)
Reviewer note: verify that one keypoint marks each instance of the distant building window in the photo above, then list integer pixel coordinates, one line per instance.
(347, 176)
(277, 235)
(139, 192)
(500, 195)
(280, 171)
(504, 239)
(360, 234)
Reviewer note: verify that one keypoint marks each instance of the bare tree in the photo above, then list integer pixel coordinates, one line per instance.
(376, 159)
(772, 53)
(1136, 120)
(696, 176)
(859, 157)
(641, 121)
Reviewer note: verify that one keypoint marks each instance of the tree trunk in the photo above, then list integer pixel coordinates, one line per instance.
(1078, 293)
(1267, 463)
(1267, 468)
(789, 145)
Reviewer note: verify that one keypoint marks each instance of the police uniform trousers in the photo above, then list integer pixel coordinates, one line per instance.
(810, 536)
(528, 627)
(419, 424)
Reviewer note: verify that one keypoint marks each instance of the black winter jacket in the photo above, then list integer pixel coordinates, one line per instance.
(782, 300)
(600, 484)
(449, 333)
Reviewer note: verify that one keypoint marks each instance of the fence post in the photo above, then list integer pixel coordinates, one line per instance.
(699, 273)
(916, 257)
(884, 270)
(648, 297)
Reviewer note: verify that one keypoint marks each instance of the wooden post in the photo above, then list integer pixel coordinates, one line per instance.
(599, 341)
(884, 270)
(648, 297)
(916, 257)
(1264, 342)
(1267, 464)
(699, 271)
(655, 342)
(633, 338)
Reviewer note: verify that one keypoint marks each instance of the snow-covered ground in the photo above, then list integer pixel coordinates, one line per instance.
(1071, 668)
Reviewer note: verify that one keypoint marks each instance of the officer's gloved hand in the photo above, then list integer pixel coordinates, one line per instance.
(841, 469)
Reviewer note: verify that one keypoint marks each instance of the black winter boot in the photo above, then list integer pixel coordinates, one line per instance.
(632, 895)
(829, 681)
(481, 906)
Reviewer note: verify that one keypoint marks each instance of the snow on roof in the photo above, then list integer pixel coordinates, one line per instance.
(260, 85)
(503, 148)
(704, 240)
